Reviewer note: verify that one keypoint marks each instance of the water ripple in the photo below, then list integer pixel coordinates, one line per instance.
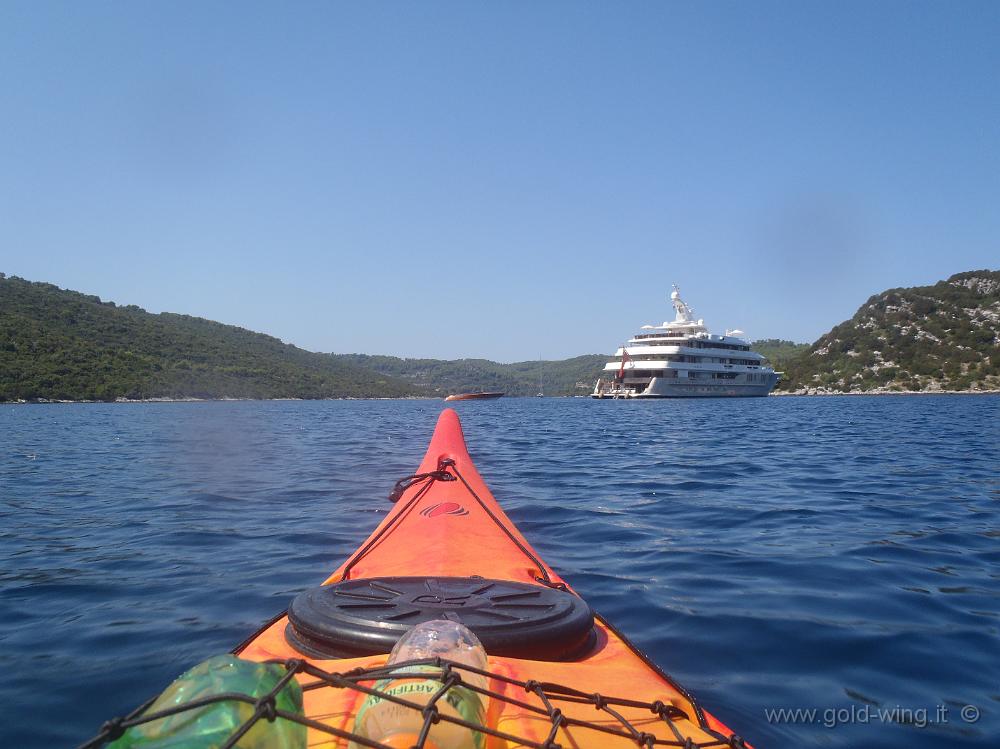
(822, 552)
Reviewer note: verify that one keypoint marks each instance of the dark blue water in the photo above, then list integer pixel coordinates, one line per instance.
(841, 554)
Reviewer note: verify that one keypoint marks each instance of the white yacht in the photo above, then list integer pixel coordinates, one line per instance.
(681, 359)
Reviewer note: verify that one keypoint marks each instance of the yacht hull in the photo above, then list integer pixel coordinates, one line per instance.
(682, 359)
(676, 388)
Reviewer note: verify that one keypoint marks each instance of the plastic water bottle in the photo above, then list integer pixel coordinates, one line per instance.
(213, 724)
(399, 726)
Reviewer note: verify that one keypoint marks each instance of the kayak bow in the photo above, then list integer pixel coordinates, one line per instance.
(447, 550)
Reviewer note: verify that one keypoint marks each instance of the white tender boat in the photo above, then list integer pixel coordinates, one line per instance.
(681, 359)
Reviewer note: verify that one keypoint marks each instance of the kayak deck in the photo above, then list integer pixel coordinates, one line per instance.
(521, 713)
(547, 686)
(446, 506)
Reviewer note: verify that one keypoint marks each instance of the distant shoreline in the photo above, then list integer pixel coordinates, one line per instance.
(797, 393)
(124, 401)
(814, 392)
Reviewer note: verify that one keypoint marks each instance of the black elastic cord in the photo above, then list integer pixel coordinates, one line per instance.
(550, 696)
(368, 546)
(441, 474)
(544, 579)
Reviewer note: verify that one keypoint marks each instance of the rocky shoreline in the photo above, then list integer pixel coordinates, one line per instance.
(882, 391)
(781, 394)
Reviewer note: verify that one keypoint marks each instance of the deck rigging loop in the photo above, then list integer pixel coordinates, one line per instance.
(441, 474)
(447, 470)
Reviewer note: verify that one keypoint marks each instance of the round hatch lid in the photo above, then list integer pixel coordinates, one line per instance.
(367, 616)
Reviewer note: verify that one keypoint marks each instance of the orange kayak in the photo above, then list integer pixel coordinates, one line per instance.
(447, 538)
(558, 674)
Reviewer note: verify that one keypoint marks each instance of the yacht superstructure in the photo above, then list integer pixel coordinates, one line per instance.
(681, 359)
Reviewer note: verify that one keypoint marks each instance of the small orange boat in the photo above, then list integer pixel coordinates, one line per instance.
(559, 675)
(473, 396)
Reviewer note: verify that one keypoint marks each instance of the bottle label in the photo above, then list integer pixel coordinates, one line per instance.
(379, 716)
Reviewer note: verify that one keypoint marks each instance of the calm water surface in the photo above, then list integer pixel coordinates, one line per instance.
(833, 553)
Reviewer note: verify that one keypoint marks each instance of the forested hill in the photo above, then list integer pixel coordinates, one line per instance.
(574, 376)
(926, 338)
(63, 345)
(778, 352)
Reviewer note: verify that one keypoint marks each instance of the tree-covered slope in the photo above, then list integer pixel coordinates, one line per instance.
(574, 376)
(59, 344)
(926, 338)
(779, 352)
(567, 377)
(64, 345)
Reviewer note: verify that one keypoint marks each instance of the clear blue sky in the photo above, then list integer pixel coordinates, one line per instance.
(510, 180)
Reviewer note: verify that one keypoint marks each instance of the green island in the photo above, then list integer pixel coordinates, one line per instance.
(919, 339)
(61, 345)
(64, 345)
(574, 376)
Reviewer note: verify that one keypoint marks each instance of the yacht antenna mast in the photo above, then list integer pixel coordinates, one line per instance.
(684, 313)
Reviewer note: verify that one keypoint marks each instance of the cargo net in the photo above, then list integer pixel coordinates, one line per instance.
(671, 725)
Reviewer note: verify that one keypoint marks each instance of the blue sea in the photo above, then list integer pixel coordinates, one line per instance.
(839, 555)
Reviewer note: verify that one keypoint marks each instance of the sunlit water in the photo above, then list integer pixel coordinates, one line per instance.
(841, 554)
